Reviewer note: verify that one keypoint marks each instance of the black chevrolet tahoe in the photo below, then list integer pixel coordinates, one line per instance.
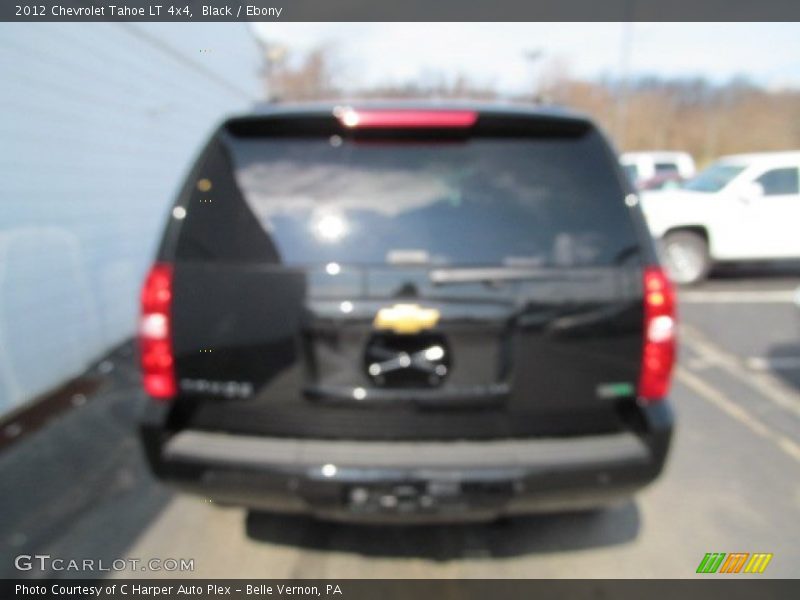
(407, 312)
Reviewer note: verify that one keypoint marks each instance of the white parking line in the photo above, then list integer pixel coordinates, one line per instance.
(776, 363)
(704, 390)
(738, 297)
(761, 382)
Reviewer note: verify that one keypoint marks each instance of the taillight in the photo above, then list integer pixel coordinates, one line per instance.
(155, 334)
(658, 356)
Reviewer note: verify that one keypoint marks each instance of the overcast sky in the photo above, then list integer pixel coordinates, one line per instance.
(493, 53)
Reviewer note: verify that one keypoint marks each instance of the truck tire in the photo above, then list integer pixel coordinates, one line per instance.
(687, 258)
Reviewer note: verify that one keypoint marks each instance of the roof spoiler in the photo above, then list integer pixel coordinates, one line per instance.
(389, 123)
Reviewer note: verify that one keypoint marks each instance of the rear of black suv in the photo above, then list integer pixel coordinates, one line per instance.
(407, 313)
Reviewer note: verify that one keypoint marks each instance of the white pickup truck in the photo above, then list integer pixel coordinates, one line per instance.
(659, 169)
(741, 208)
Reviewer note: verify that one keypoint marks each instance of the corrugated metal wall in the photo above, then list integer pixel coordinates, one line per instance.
(98, 123)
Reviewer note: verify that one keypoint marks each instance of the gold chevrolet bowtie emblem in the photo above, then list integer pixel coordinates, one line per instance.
(406, 319)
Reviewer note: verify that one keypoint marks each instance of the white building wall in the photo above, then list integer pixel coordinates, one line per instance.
(98, 123)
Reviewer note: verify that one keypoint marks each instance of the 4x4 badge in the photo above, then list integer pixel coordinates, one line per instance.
(406, 319)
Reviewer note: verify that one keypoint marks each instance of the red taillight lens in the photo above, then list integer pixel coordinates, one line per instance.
(155, 334)
(658, 356)
(402, 119)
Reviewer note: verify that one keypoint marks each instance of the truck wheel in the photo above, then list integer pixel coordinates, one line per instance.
(687, 258)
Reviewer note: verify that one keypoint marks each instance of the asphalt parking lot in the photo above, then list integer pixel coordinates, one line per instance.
(79, 488)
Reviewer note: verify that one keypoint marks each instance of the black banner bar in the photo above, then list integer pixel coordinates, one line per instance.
(711, 588)
(400, 10)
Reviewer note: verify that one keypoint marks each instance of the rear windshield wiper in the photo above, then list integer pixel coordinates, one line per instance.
(489, 275)
(492, 275)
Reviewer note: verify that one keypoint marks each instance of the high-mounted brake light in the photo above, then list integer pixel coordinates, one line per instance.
(406, 119)
(155, 334)
(658, 355)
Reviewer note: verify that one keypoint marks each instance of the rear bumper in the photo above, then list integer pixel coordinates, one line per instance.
(411, 481)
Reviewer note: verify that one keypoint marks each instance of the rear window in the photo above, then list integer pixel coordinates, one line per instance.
(666, 168)
(487, 201)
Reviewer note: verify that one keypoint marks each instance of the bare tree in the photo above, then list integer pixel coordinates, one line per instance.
(295, 76)
(694, 115)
